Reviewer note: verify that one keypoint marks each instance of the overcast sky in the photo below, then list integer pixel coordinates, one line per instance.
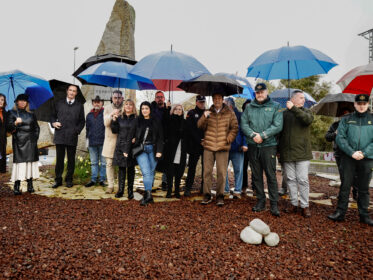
(38, 36)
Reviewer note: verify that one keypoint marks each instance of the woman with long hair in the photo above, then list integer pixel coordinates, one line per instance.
(149, 133)
(25, 134)
(125, 126)
(175, 154)
(2, 133)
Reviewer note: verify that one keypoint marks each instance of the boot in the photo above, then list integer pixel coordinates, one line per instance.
(130, 181)
(16, 190)
(30, 187)
(169, 191)
(260, 206)
(147, 198)
(130, 191)
(177, 191)
(274, 209)
(366, 220)
(337, 216)
(120, 186)
(187, 192)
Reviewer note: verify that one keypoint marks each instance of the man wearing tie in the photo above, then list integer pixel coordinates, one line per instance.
(68, 121)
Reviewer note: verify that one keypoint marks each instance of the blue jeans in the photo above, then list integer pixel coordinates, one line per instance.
(147, 163)
(237, 160)
(98, 163)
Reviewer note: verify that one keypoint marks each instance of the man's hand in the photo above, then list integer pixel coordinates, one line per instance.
(289, 105)
(133, 140)
(207, 114)
(168, 104)
(125, 155)
(258, 139)
(358, 155)
(18, 121)
(158, 155)
(244, 148)
(57, 125)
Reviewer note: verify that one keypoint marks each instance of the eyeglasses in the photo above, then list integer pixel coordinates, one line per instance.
(160, 97)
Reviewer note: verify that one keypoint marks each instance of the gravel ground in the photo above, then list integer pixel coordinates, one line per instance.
(52, 238)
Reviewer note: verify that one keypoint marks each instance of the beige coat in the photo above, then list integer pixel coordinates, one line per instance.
(110, 138)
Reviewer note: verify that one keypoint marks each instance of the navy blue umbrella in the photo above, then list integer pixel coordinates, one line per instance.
(282, 96)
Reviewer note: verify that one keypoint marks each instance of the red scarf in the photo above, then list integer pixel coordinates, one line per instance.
(1, 114)
(96, 113)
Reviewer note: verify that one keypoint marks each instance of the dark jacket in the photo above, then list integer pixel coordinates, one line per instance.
(95, 128)
(125, 127)
(24, 136)
(263, 118)
(330, 137)
(194, 135)
(295, 138)
(355, 133)
(175, 131)
(240, 139)
(157, 134)
(3, 141)
(160, 113)
(72, 119)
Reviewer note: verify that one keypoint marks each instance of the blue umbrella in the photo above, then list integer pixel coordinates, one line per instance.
(113, 74)
(167, 69)
(38, 95)
(290, 63)
(282, 96)
(248, 92)
(16, 82)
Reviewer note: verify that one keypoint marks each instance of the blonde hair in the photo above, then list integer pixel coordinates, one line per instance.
(134, 111)
(27, 109)
(174, 107)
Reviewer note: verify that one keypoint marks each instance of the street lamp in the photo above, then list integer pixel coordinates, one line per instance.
(75, 49)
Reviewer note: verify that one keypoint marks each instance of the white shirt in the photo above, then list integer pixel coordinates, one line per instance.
(72, 101)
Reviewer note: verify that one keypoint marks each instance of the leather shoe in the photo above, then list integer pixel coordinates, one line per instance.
(366, 220)
(69, 184)
(260, 206)
(56, 185)
(274, 209)
(90, 184)
(337, 216)
(306, 212)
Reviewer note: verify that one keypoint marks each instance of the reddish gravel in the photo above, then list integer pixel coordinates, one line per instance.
(50, 238)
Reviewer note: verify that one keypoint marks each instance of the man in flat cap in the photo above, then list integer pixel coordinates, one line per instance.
(355, 139)
(95, 133)
(261, 122)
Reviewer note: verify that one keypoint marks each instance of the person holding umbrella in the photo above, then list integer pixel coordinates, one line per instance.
(221, 127)
(3, 114)
(261, 122)
(355, 139)
(25, 134)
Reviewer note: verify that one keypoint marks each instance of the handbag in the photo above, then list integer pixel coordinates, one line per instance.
(139, 149)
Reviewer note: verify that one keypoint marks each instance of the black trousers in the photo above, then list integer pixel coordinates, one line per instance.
(264, 159)
(339, 165)
(60, 158)
(363, 170)
(130, 172)
(245, 181)
(174, 171)
(192, 164)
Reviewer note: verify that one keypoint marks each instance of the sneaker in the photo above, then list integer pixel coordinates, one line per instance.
(206, 199)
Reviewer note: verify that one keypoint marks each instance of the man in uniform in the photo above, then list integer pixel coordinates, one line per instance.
(193, 142)
(355, 139)
(261, 122)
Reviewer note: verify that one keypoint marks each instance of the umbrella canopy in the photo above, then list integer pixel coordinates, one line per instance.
(167, 69)
(16, 82)
(208, 84)
(358, 81)
(290, 63)
(59, 88)
(282, 96)
(103, 58)
(333, 105)
(248, 91)
(37, 96)
(112, 74)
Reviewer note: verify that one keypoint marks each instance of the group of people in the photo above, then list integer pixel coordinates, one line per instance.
(160, 138)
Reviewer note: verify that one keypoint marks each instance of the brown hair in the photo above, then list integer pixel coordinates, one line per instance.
(15, 107)
(4, 106)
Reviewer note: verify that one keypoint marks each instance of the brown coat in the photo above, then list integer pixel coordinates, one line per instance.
(110, 138)
(220, 129)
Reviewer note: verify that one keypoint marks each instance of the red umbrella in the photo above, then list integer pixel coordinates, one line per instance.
(358, 81)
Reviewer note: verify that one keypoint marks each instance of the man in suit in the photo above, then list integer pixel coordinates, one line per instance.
(68, 121)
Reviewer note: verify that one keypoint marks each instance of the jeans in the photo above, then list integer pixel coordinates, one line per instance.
(147, 163)
(237, 161)
(98, 163)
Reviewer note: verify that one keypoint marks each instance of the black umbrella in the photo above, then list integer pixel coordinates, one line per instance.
(333, 105)
(103, 58)
(208, 84)
(43, 113)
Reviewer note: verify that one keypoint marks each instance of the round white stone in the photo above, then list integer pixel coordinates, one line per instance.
(272, 239)
(259, 226)
(250, 236)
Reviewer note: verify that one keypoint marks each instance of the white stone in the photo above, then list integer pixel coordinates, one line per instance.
(250, 236)
(272, 239)
(259, 226)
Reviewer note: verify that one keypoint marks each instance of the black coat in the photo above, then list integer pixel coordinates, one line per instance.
(24, 136)
(175, 131)
(125, 127)
(330, 137)
(72, 119)
(3, 142)
(157, 133)
(194, 134)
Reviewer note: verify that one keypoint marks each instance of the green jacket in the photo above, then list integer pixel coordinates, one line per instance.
(295, 141)
(265, 119)
(355, 133)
